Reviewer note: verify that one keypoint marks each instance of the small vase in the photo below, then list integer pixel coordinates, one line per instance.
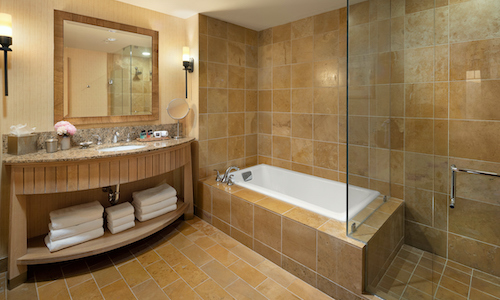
(65, 142)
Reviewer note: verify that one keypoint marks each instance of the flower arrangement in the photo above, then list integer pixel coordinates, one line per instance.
(64, 128)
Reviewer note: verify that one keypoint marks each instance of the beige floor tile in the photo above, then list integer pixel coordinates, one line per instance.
(223, 255)
(133, 273)
(186, 229)
(248, 255)
(179, 290)
(170, 254)
(444, 294)
(87, 290)
(205, 228)
(224, 240)
(56, 290)
(145, 254)
(149, 290)
(120, 256)
(26, 291)
(103, 270)
(479, 295)
(219, 273)
(248, 273)
(179, 240)
(210, 290)
(162, 273)
(486, 286)
(205, 242)
(276, 273)
(76, 273)
(454, 286)
(307, 292)
(197, 255)
(272, 290)
(190, 273)
(242, 291)
(47, 275)
(117, 291)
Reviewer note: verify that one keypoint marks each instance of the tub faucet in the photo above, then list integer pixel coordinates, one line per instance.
(225, 178)
(115, 137)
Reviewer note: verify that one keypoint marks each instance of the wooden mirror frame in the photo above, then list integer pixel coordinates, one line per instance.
(59, 18)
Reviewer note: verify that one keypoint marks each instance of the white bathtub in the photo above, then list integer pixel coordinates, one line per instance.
(322, 196)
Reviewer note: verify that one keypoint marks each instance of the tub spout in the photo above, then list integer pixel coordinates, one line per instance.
(225, 178)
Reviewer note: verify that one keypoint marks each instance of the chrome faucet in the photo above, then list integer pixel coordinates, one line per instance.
(225, 178)
(115, 137)
(99, 141)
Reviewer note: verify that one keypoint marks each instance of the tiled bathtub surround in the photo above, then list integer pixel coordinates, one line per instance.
(106, 134)
(310, 246)
(228, 95)
(444, 60)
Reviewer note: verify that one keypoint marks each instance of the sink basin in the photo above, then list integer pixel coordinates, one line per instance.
(122, 148)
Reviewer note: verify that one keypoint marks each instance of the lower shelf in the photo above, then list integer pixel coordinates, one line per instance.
(38, 253)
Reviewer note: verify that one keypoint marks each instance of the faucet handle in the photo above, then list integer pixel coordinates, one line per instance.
(128, 138)
(99, 141)
(218, 178)
(230, 180)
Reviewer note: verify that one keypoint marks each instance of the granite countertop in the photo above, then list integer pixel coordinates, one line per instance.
(75, 153)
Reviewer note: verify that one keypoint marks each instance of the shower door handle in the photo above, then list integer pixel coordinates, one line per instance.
(454, 171)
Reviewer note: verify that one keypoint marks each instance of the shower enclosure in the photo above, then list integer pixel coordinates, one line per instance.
(422, 81)
(130, 82)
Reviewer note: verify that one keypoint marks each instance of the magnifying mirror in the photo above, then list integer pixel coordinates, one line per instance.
(178, 109)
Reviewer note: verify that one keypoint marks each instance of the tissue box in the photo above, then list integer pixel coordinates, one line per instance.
(18, 145)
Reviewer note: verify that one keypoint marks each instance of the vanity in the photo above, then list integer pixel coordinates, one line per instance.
(41, 182)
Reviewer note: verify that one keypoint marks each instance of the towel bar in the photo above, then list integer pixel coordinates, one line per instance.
(454, 170)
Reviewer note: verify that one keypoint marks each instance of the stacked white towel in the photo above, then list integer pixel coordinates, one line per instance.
(120, 217)
(74, 225)
(154, 202)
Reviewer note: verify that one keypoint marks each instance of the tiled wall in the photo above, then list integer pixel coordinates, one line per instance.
(228, 95)
(302, 67)
(445, 110)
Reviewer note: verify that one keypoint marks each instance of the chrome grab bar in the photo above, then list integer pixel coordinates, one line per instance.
(454, 170)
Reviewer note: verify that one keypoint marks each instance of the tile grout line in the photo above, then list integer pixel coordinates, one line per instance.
(411, 276)
(441, 277)
(121, 275)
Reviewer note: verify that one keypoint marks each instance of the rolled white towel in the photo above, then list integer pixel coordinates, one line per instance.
(121, 221)
(74, 240)
(59, 234)
(118, 211)
(154, 207)
(121, 227)
(155, 214)
(154, 195)
(74, 215)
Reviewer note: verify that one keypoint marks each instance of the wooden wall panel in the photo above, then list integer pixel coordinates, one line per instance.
(103, 174)
(72, 178)
(61, 184)
(114, 172)
(132, 169)
(29, 180)
(94, 175)
(83, 176)
(39, 180)
(149, 166)
(141, 167)
(123, 170)
(50, 179)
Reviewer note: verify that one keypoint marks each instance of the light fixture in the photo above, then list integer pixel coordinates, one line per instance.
(5, 41)
(188, 63)
(146, 53)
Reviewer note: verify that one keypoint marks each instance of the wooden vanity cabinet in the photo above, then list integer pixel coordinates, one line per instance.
(83, 175)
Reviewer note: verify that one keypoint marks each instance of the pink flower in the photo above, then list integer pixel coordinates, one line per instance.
(65, 128)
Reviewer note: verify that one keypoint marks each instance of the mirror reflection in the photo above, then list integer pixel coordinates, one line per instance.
(108, 72)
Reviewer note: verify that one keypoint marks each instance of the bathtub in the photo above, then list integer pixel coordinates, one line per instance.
(322, 196)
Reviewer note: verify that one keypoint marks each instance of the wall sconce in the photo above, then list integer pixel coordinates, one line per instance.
(188, 63)
(5, 41)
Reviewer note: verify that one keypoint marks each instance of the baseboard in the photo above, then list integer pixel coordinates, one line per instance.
(17, 281)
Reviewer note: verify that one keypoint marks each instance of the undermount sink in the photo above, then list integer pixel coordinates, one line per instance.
(122, 148)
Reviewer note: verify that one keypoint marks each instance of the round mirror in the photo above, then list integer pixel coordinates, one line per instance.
(178, 108)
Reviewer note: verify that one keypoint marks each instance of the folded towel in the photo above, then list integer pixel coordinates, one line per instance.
(119, 211)
(74, 240)
(154, 195)
(154, 207)
(74, 215)
(155, 214)
(121, 221)
(121, 227)
(59, 234)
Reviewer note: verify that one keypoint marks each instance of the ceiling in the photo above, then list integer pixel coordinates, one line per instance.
(253, 14)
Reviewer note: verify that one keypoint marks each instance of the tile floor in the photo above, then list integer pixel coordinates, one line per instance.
(416, 274)
(187, 260)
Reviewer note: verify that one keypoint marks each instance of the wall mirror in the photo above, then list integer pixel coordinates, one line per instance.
(104, 72)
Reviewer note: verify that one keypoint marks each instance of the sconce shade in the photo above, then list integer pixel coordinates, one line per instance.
(185, 53)
(5, 25)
